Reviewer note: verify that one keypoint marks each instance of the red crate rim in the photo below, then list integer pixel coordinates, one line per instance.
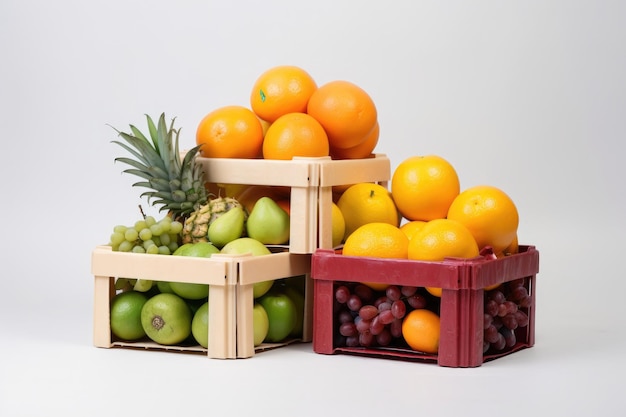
(451, 273)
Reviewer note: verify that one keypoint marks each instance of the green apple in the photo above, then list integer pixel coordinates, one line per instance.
(298, 299)
(245, 245)
(227, 227)
(260, 324)
(200, 325)
(268, 222)
(188, 290)
(282, 315)
(166, 319)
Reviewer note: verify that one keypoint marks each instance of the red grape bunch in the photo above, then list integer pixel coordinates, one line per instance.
(505, 310)
(368, 317)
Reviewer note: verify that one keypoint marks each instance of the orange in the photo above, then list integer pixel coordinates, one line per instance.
(411, 227)
(230, 132)
(378, 240)
(367, 203)
(489, 214)
(346, 111)
(421, 330)
(338, 225)
(513, 248)
(423, 187)
(280, 90)
(295, 134)
(252, 193)
(362, 150)
(442, 238)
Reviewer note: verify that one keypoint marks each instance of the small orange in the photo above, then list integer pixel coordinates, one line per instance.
(295, 134)
(442, 238)
(421, 329)
(489, 214)
(252, 193)
(377, 240)
(411, 227)
(345, 110)
(364, 203)
(362, 150)
(280, 90)
(423, 187)
(230, 132)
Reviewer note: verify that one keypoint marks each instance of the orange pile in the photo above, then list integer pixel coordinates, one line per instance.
(289, 116)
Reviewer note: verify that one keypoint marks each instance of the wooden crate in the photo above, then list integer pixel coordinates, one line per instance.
(230, 278)
(311, 181)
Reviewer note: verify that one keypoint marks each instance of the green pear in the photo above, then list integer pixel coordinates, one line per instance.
(268, 222)
(228, 227)
(247, 245)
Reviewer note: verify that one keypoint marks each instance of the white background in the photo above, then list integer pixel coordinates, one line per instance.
(529, 96)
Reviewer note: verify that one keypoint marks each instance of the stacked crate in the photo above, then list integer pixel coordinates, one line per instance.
(464, 283)
(231, 278)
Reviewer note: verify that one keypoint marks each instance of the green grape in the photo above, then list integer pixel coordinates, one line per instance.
(117, 238)
(131, 235)
(150, 221)
(125, 246)
(145, 234)
(165, 239)
(140, 225)
(138, 249)
(156, 240)
(156, 229)
(176, 227)
(120, 228)
(164, 250)
(165, 225)
(152, 249)
(173, 246)
(147, 243)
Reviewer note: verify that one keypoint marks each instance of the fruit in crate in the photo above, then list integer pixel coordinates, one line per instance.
(227, 227)
(230, 132)
(280, 90)
(189, 290)
(367, 203)
(126, 315)
(489, 214)
(200, 325)
(247, 245)
(268, 223)
(295, 134)
(423, 187)
(196, 228)
(260, 324)
(347, 113)
(282, 314)
(166, 319)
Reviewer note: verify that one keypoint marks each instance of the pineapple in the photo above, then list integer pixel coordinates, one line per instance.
(177, 186)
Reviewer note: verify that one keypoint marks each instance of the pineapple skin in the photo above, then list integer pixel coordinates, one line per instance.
(196, 227)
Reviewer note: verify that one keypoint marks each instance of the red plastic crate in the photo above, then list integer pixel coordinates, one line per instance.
(461, 306)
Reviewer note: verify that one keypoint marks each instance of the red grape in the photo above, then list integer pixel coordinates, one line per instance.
(354, 303)
(342, 293)
(368, 312)
(393, 293)
(348, 329)
(417, 301)
(408, 290)
(398, 309)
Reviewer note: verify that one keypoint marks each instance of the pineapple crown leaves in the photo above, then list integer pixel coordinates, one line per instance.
(175, 185)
